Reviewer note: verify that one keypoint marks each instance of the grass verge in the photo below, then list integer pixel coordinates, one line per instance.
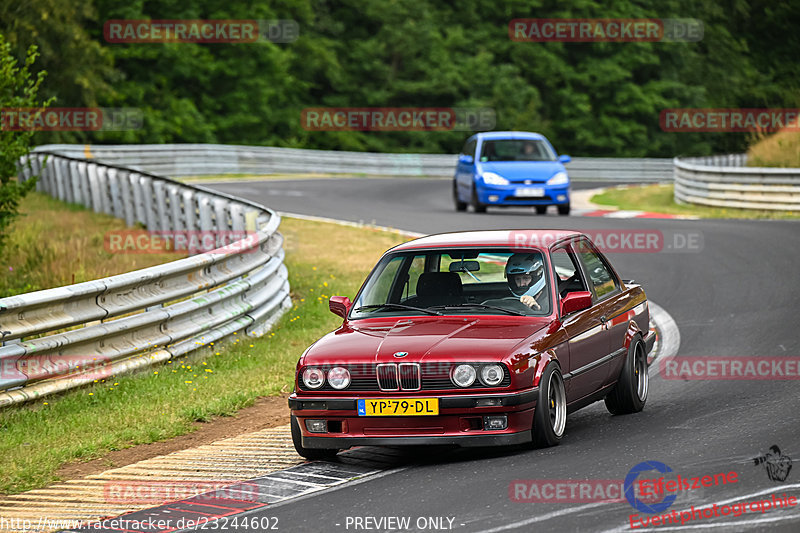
(54, 243)
(659, 199)
(781, 149)
(37, 438)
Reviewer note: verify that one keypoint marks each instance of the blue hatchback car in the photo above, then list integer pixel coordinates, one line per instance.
(510, 168)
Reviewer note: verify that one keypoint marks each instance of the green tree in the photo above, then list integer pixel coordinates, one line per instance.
(18, 89)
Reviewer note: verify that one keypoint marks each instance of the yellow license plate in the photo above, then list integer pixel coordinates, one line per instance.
(398, 407)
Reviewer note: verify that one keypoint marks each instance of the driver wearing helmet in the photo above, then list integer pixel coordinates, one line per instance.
(525, 274)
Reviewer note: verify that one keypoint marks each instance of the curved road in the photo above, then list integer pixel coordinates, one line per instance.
(737, 294)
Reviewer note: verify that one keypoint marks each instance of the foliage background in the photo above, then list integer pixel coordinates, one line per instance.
(590, 99)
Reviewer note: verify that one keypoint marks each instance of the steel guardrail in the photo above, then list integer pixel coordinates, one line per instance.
(181, 160)
(132, 320)
(725, 181)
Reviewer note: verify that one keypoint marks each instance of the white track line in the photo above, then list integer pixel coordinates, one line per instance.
(670, 335)
(541, 518)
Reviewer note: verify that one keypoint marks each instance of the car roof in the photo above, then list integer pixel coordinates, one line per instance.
(523, 238)
(510, 135)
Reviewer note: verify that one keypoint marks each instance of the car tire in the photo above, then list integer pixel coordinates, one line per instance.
(476, 205)
(630, 392)
(309, 453)
(563, 209)
(460, 206)
(550, 415)
(541, 209)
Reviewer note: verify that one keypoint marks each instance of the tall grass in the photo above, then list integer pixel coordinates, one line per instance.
(779, 150)
(53, 243)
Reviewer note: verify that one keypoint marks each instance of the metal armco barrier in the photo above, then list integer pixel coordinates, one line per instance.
(178, 160)
(60, 338)
(724, 181)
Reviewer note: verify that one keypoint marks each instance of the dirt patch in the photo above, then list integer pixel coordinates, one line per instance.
(266, 413)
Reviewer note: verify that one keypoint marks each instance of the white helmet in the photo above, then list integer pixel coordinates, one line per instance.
(524, 264)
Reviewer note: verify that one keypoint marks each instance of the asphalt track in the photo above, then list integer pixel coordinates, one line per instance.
(735, 294)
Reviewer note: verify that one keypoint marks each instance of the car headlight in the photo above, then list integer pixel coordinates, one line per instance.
(314, 378)
(490, 178)
(463, 375)
(339, 377)
(560, 178)
(492, 375)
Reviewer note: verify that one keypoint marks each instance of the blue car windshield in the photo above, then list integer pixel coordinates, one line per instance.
(516, 150)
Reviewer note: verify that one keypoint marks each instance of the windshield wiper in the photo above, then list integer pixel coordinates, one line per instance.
(479, 306)
(397, 306)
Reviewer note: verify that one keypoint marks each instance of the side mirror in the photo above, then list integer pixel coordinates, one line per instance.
(564, 159)
(576, 301)
(465, 159)
(340, 305)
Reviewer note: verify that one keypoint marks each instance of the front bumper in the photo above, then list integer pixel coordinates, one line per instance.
(507, 195)
(459, 422)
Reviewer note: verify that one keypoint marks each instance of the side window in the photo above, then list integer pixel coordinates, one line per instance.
(600, 276)
(469, 148)
(567, 275)
(414, 271)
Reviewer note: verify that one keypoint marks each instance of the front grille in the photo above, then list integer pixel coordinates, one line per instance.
(387, 376)
(409, 376)
(545, 198)
(392, 377)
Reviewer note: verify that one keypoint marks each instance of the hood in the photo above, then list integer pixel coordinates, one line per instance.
(451, 338)
(517, 171)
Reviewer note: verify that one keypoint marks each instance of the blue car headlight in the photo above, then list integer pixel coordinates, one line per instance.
(490, 178)
(559, 178)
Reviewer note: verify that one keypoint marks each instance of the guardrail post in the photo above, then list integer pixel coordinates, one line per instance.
(59, 179)
(103, 190)
(115, 186)
(221, 214)
(206, 212)
(190, 210)
(94, 201)
(175, 208)
(124, 179)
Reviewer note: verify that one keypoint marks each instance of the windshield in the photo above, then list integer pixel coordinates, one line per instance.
(516, 150)
(453, 282)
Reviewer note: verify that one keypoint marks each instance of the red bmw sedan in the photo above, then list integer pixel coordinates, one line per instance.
(474, 339)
